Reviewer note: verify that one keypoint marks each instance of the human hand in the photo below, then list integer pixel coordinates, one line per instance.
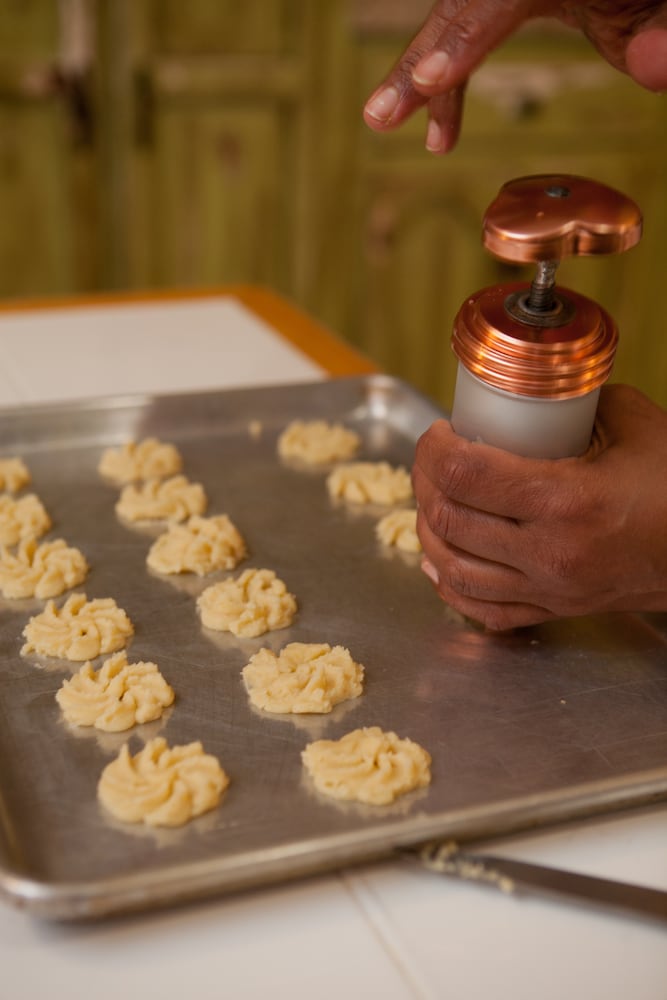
(511, 541)
(457, 36)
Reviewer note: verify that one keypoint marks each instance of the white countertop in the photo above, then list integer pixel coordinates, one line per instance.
(390, 930)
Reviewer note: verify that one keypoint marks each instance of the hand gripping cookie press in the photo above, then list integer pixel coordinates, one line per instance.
(533, 356)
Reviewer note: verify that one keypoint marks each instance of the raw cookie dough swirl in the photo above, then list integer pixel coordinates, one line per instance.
(160, 786)
(14, 474)
(317, 442)
(116, 697)
(254, 603)
(147, 459)
(367, 765)
(399, 528)
(304, 677)
(201, 546)
(174, 499)
(79, 630)
(22, 518)
(45, 570)
(370, 482)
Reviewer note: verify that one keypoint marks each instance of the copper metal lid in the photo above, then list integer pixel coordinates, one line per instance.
(550, 216)
(555, 363)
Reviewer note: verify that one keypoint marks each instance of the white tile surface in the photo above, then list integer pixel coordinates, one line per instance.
(306, 940)
(145, 347)
(478, 942)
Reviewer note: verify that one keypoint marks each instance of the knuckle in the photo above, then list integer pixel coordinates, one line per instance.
(456, 29)
(456, 35)
(565, 556)
(455, 475)
(446, 13)
(448, 464)
(561, 563)
(573, 504)
(442, 518)
(455, 578)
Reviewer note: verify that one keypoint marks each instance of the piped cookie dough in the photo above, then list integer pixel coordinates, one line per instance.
(174, 499)
(367, 765)
(162, 786)
(147, 459)
(117, 696)
(201, 546)
(399, 529)
(255, 602)
(79, 630)
(45, 570)
(370, 482)
(317, 442)
(14, 474)
(25, 517)
(304, 677)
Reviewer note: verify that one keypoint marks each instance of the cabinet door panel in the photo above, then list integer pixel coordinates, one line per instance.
(47, 239)
(28, 30)
(408, 259)
(217, 211)
(215, 178)
(221, 26)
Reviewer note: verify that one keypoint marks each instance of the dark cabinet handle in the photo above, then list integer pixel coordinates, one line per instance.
(75, 91)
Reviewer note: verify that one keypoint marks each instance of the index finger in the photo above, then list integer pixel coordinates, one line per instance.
(468, 32)
(487, 478)
(454, 39)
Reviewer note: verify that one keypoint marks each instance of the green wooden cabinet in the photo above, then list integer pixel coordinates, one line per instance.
(216, 111)
(47, 173)
(175, 143)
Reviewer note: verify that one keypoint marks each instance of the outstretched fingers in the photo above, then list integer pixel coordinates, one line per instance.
(462, 35)
(434, 69)
(445, 116)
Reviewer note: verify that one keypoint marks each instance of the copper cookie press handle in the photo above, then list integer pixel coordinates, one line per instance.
(546, 217)
(537, 339)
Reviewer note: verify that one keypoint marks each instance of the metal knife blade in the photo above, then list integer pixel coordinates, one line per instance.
(520, 877)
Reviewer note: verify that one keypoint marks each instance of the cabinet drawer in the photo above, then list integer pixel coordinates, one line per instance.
(223, 26)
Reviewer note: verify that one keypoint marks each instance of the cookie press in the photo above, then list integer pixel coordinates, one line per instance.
(532, 357)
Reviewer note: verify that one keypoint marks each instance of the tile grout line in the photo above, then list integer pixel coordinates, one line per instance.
(375, 914)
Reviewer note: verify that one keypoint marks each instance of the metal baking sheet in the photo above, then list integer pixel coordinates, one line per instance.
(545, 724)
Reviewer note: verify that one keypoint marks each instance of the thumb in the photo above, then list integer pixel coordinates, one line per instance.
(623, 413)
(646, 54)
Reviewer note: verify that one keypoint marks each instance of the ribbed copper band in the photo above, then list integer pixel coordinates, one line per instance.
(553, 363)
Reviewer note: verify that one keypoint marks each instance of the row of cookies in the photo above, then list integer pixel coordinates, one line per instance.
(117, 696)
(319, 443)
(308, 677)
(28, 567)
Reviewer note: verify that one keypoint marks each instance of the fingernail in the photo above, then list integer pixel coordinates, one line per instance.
(383, 104)
(433, 137)
(430, 570)
(431, 70)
